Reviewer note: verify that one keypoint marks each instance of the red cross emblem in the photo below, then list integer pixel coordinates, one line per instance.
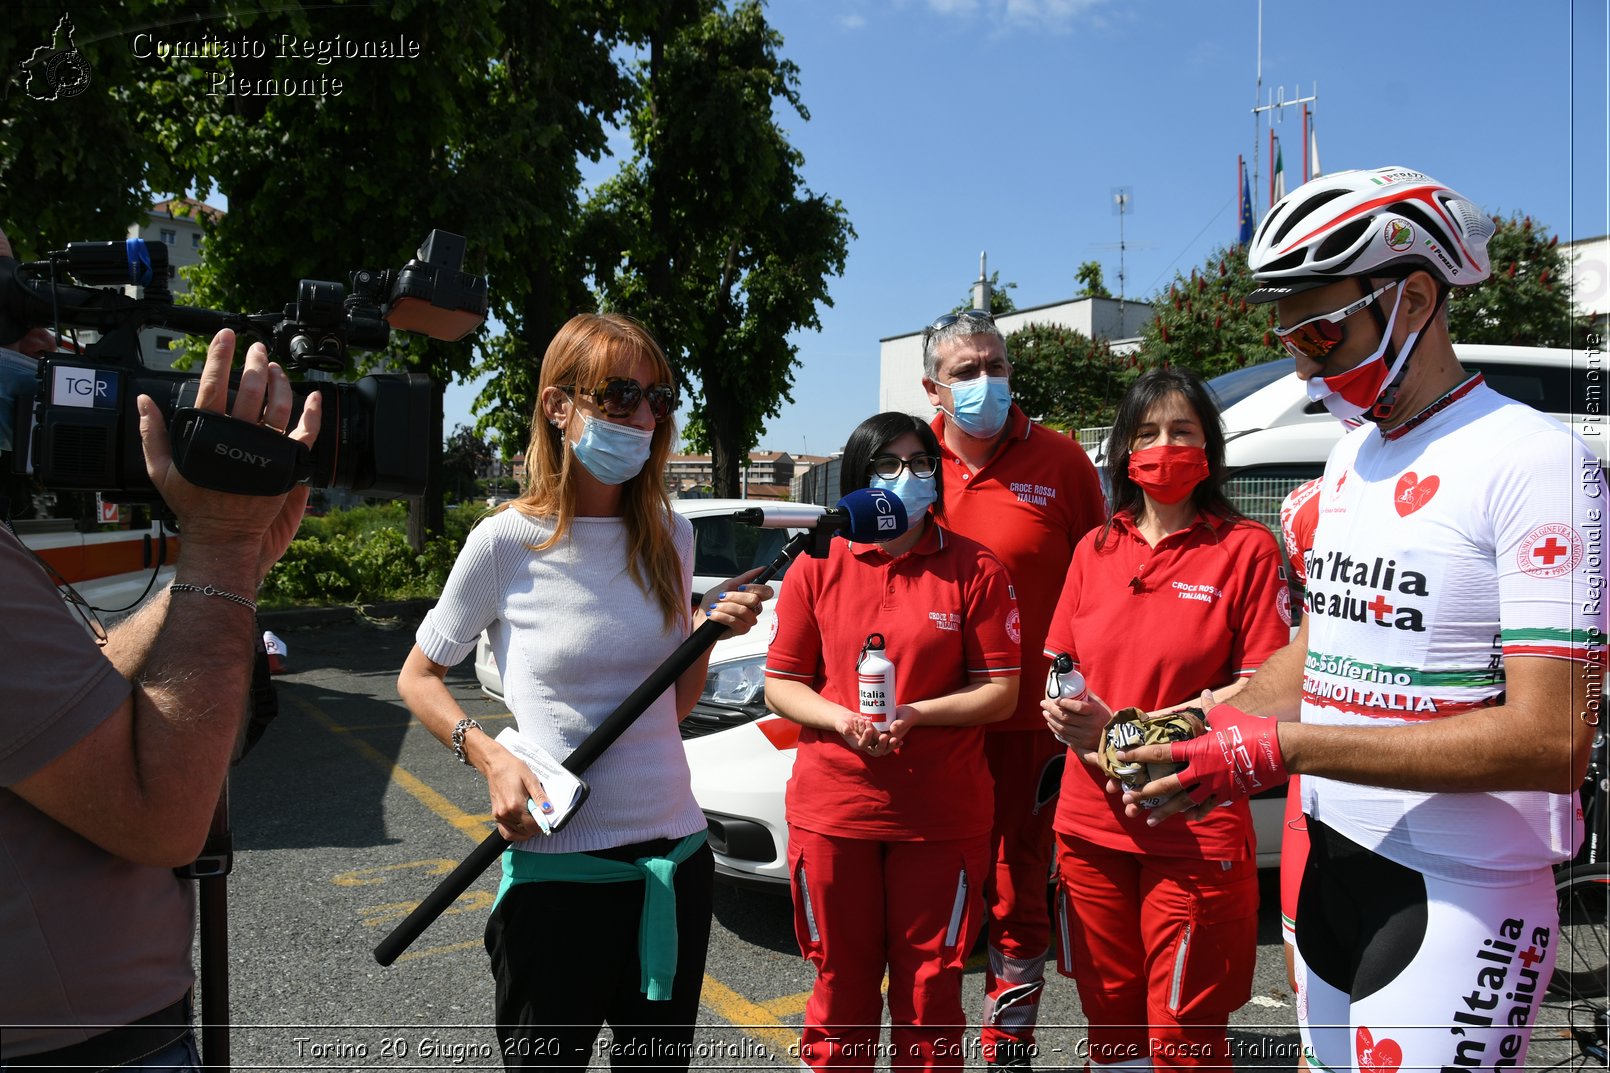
(1550, 550)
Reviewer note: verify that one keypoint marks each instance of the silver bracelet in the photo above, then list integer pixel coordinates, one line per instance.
(459, 730)
(208, 590)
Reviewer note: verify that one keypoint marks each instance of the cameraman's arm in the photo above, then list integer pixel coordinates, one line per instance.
(144, 783)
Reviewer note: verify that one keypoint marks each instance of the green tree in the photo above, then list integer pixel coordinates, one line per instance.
(709, 234)
(999, 301)
(1064, 378)
(1527, 299)
(1204, 322)
(464, 458)
(79, 166)
(1091, 285)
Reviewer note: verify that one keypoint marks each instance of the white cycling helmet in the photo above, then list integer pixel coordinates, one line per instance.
(1385, 222)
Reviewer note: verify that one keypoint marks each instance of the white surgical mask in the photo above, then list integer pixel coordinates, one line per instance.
(612, 453)
(981, 405)
(916, 494)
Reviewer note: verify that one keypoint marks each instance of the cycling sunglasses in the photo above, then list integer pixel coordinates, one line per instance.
(619, 396)
(888, 467)
(1316, 337)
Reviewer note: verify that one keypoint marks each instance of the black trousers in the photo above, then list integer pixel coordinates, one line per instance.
(565, 959)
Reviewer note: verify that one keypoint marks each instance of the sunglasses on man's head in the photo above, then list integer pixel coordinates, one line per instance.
(619, 396)
(948, 319)
(1316, 337)
(888, 467)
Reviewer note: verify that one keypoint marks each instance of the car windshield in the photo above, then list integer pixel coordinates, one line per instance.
(1230, 388)
(723, 548)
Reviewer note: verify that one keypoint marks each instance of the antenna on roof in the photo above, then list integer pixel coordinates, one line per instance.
(981, 287)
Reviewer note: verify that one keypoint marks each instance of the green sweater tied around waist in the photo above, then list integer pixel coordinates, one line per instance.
(656, 928)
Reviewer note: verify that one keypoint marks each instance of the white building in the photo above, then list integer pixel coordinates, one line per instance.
(1589, 259)
(177, 224)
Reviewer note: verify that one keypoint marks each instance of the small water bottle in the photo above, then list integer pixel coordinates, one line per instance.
(874, 676)
(1063, 682)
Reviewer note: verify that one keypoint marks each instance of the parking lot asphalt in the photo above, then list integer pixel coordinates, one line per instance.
(347, 813)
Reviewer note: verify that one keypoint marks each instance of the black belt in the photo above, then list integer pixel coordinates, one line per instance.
(119, 1047)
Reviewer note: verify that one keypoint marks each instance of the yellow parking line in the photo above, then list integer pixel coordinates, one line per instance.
(456, 817)
(757, 1021)
(788, 1005)
(432, 951)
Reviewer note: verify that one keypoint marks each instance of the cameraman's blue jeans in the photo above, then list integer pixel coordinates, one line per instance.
(180, 1056)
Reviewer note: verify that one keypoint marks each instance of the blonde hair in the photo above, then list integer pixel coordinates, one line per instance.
(587, 349)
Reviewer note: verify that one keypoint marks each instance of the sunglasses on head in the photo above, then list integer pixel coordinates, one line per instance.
(1316, 337)
(948, 319)
(619, 396)
(888, 467)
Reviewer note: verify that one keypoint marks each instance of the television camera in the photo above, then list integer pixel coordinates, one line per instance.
(79, 429)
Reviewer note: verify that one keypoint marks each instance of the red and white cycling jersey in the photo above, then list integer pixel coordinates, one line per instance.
(1467, 537)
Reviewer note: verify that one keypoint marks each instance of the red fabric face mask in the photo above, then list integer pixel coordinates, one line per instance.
(1168, 472)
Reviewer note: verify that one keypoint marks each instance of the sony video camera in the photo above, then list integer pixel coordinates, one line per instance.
(84, 426)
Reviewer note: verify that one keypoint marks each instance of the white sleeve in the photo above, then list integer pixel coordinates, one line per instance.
(469, 602)
(1547, 514)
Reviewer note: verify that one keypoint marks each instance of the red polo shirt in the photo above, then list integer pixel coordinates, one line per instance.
(1150, 627)
(946, 611)
(1029, 504)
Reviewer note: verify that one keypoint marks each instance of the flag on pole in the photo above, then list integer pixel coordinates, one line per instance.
(1278, 189)
(1246, 209)
(1313, 151)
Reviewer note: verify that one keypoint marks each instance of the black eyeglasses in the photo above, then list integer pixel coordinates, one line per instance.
(619, 396)
(888, 467)
(980, 315)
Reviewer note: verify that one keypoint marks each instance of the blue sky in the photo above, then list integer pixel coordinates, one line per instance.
(948, 127)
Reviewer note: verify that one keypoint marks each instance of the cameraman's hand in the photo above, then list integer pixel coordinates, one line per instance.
(222, 520)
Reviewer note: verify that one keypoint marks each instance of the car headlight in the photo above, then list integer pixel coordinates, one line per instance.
(736, 683)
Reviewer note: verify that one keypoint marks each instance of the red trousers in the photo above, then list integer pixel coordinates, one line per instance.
(1027, 769)
(1161, 948)
(863, 906)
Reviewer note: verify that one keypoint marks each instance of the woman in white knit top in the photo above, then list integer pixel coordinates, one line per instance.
(583, 583)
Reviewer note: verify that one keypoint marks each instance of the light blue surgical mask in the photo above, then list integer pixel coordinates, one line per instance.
(612, 453)
(916, 494)
(19, 375)
(981, 405)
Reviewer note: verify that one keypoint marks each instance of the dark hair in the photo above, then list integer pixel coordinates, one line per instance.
(1153, 387)
(872, 436)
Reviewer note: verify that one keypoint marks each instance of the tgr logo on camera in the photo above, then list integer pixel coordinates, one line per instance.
(92, 388)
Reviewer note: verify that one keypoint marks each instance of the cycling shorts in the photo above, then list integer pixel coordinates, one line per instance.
(1399, 969)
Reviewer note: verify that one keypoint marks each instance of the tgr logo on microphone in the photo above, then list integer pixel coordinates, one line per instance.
(90, 388)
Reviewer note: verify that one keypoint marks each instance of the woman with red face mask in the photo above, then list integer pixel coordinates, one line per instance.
(1176, 594)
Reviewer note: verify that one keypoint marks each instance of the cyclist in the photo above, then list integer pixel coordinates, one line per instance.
(1441, 694)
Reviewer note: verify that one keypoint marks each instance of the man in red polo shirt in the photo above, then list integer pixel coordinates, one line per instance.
(1028, 494)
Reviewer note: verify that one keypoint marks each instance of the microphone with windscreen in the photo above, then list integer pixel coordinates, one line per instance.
(866, 516)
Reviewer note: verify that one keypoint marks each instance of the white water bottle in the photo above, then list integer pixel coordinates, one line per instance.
(874, 676)
(1064, 682)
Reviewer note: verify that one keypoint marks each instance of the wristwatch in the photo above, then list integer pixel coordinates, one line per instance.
(459, 730)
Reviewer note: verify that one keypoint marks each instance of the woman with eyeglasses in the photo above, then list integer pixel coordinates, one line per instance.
(888, 830)
(1176, 594)
(582, 583)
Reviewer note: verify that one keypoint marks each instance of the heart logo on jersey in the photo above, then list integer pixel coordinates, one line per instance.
(1413, 493)
(1373, 1057)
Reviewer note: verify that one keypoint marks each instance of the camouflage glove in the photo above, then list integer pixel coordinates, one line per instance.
(1129, 728)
